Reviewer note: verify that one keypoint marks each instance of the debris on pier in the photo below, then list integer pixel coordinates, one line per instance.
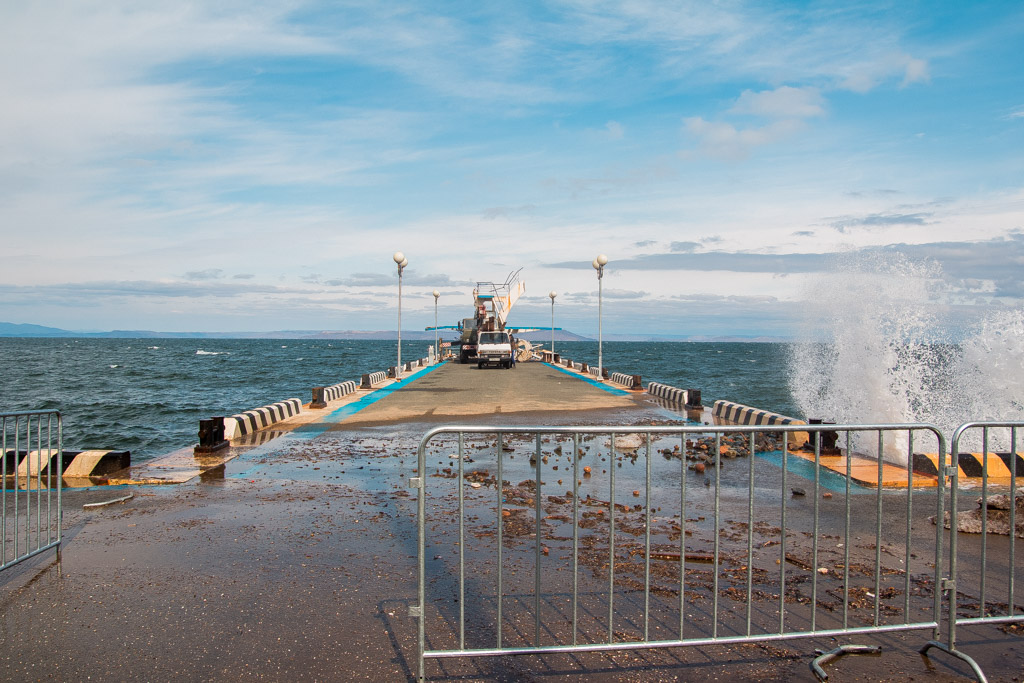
(997, 508)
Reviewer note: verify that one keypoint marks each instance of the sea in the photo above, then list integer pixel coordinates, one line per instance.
(148, 395)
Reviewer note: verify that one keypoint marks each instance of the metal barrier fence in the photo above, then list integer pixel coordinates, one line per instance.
(970, 576)
(668, 537)
(32, 454)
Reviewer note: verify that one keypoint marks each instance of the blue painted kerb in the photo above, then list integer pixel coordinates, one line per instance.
(600, 385)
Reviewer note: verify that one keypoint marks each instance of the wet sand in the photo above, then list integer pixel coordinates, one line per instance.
(297, 561)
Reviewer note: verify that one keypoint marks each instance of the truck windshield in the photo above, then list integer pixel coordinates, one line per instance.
(493, 338)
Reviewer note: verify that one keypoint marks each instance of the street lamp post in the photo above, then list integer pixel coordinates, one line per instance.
(552, 294)
(437, 350)
(599, 263)
(402, 262)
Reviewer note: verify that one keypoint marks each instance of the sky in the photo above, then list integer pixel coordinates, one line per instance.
(253, 166)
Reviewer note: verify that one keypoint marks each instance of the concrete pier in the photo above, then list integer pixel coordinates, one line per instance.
(535, 391)
(294, 558)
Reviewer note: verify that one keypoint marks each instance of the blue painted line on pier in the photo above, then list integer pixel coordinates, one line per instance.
(350, 409)
(827, 479)
(588, 380)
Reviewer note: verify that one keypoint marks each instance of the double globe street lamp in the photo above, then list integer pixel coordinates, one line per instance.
(598, 263)
(552, 294)
(437, 351)
(402, 262)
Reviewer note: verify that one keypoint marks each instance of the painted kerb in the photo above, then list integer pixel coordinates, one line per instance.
(32, 455)
(699, 561)
(986, 590)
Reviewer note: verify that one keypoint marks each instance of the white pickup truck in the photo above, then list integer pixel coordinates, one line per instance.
(494, 348)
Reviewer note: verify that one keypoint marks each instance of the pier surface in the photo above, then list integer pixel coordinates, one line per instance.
(295, 559)
(534, 392)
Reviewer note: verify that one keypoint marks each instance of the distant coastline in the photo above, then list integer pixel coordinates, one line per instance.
(26, 330)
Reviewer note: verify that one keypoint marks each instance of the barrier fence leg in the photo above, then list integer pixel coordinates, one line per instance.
(827, 657)
(979, 675)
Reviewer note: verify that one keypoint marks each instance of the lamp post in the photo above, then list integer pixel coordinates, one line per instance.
(552, 294)
(402, 262)
(437, 350)
(599, 263)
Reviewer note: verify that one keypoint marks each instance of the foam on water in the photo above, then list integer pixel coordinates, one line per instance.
(882, 347)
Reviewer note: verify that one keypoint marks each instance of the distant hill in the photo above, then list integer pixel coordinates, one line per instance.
(25, 330)
(541, 336)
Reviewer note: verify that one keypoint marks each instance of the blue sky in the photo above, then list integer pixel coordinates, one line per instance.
(233, 166)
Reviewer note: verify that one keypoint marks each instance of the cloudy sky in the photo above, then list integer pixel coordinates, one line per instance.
(226, 166)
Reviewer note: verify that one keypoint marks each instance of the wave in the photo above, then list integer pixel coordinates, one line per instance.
(200, 352)
(883, 349)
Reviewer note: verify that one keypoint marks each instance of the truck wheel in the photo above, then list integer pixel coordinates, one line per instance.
(479, 366)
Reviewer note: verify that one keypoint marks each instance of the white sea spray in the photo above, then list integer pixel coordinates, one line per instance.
(882, 346)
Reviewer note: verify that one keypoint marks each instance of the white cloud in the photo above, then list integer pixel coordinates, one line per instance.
(781, 103)
(720, 140)
(275, 141)
(916, 72)
(865, 75)
(614, 130)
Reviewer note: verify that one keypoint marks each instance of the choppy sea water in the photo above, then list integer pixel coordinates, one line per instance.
(148, 395)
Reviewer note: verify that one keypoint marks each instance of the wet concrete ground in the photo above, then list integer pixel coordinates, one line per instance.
(297, 561)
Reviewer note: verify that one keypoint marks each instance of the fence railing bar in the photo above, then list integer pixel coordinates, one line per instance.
(1000, 619)
(611, 535)
(909, 529)
(39, 484)
(846, 533)
(49, 475)
(690, 642)
(784, 535)
(575, 535)
(3, 520)
(60, 486)
(940, 505)
(750, 528)
(984, 520)
(537, 540)
(953, 539)
(717, 529)
(462, 542)
(30, 554)
(682, 534)
(878, 531)
(501, 528)
(647, 542)
(816, 529)
(17, 487)
(1011, 586)
(421, 561)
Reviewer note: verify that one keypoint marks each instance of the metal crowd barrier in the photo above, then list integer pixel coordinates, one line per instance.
(710, 554)
(970, 578)
(30, 494)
